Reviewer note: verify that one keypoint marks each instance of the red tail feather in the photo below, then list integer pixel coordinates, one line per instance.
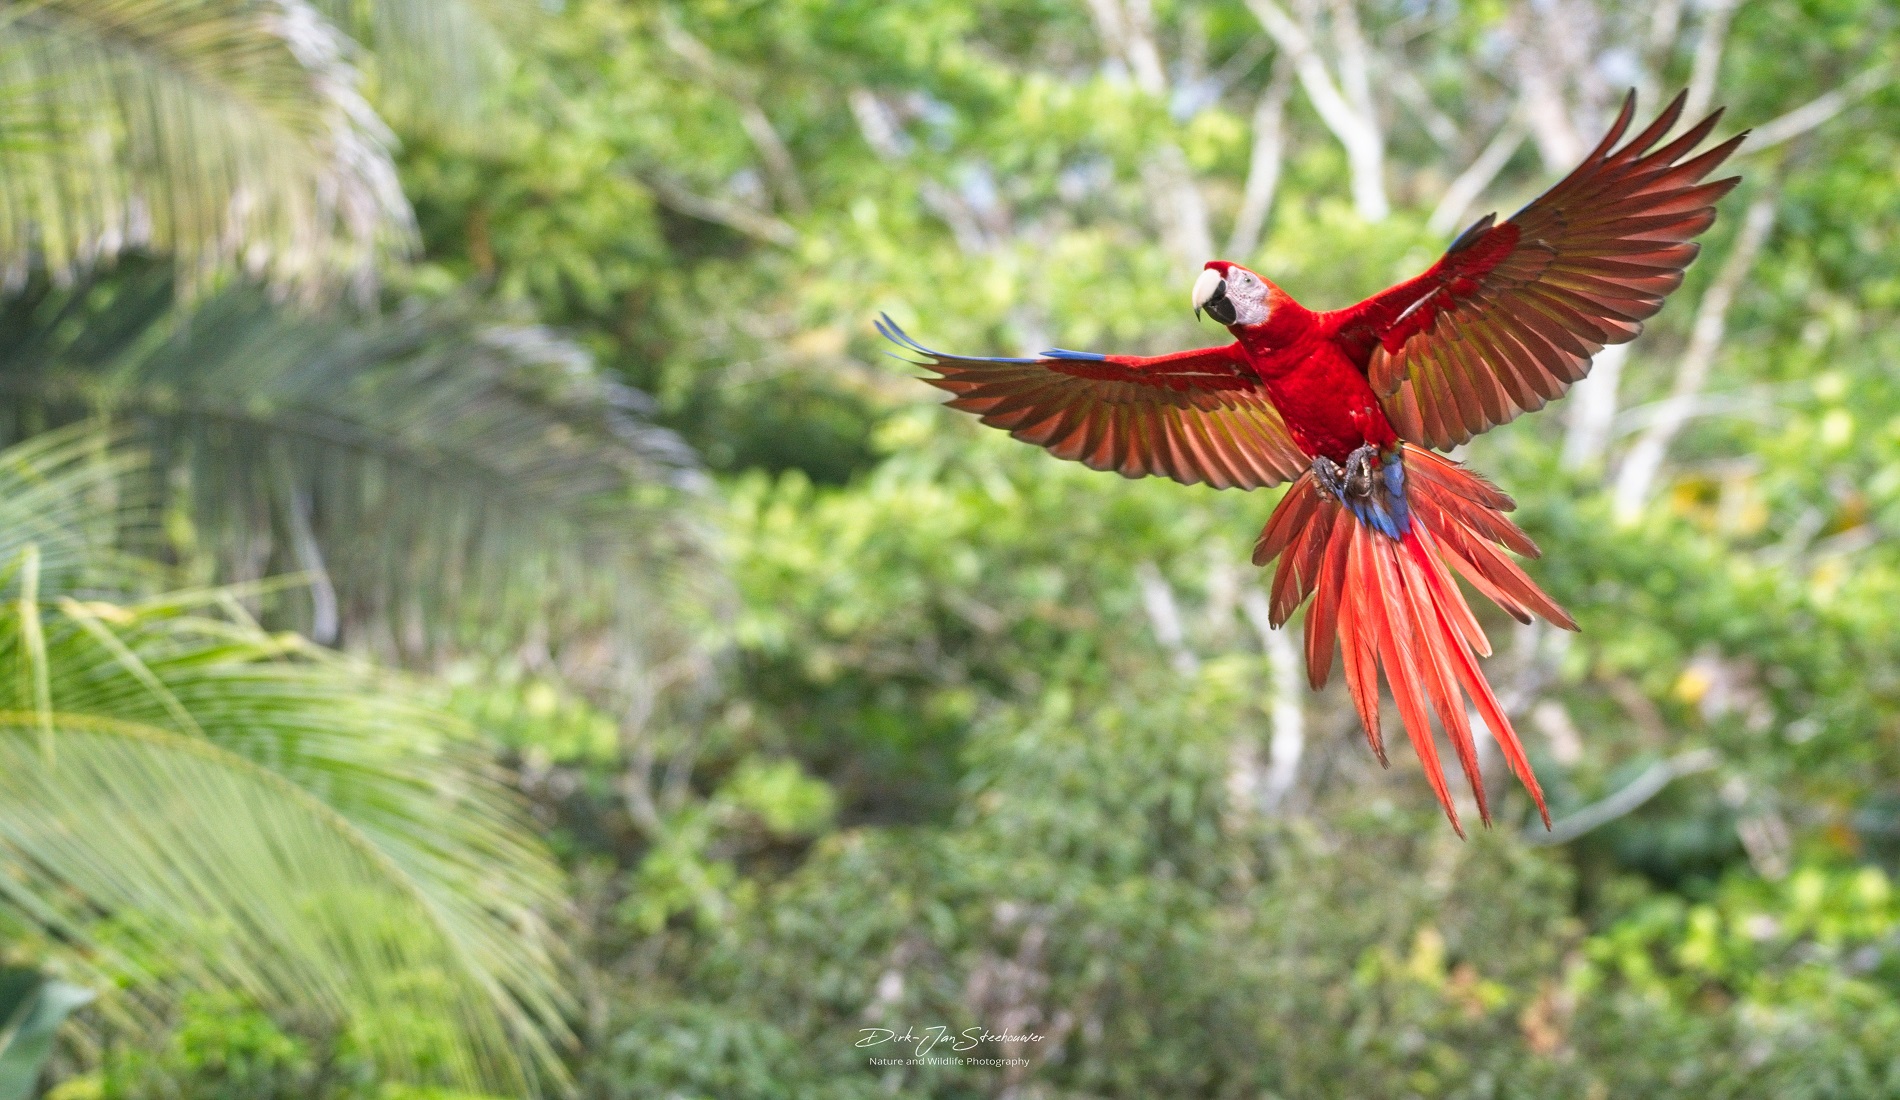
(1396, 609)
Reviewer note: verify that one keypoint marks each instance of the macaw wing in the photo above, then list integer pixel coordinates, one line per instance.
(1513, 313)
(1195, 416)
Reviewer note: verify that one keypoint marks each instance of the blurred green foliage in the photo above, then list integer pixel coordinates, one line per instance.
(221, 1048)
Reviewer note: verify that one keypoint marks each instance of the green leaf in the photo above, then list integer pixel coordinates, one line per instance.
(231, 135)
(31, 1009)
(434, 65)
(436, 467)
(233, 809)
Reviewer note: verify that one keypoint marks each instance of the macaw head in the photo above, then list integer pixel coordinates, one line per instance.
(1234, 296)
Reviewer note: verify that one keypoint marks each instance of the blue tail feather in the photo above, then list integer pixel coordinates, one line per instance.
(1385, 509)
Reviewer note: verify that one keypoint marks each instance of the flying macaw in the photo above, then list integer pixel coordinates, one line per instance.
(1350, 406)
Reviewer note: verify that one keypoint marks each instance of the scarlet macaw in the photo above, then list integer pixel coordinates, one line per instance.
(1349, 405)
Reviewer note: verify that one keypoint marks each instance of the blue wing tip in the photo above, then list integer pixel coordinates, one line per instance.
(889, 329)
(1084, 356)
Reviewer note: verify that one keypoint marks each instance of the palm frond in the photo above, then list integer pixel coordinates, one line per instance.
(255, 815)
(444, 479)
(69, 494)
(432, 65)
(226, 133)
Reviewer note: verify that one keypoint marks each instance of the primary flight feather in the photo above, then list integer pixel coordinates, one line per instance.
(1349, 405)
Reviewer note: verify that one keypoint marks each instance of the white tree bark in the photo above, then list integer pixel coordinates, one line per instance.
(1287, 708)
(325, 617)
(1404, 85)
(1817, 110)
(1470, 184)
(1665, 24)
(1555, 52)
(886, 137)
(1712, 36)
(1638, 474)
(881, 131)
(777, 158)
(1164, 614)
(1354, 124)
(1557, 139)
(1592, 404)
(1126, 28)
(1349, 44)
(1185, 224)
(1263, 166)
(1562, 93)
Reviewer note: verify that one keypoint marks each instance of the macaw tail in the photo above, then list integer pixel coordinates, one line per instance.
(1375, 566)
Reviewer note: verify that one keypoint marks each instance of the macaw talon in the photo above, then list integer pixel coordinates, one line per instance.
(1359, 470)
(1356, 480)
(1329, 477)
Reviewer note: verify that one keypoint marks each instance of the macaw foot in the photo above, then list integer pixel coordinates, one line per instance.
(1353, 481)
(1372, 490)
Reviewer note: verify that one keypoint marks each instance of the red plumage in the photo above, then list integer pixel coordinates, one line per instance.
(1347, 405)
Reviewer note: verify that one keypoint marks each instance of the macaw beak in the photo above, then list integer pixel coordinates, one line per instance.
(1210, 295)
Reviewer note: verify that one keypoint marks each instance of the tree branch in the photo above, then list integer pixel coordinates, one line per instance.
(1157, 598)
(325, 620)
(881, 131)
(1665, 22)
(1289, 717)
(1471, 183)
(1645, 459)
(1593, 409)
(732, 215)
(1626, 801)
(1127, 31)
(1817, 111)
(1263, 165)
(1442, 130)
(1183, 211)
(1358, 133)
(1143, 56)
(1128, 36)
(780, 168)
(887, 139)
(1553, 54)
(1349, 42)
(1707, 66)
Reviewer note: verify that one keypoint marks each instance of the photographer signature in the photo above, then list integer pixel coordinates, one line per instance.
(923, 1040)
